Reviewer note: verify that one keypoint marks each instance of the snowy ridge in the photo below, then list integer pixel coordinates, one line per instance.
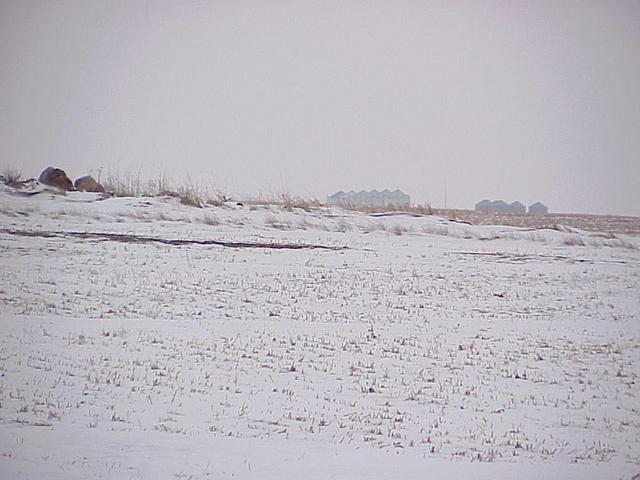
(91, 212)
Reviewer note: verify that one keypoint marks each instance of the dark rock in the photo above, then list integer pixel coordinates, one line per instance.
(88, 184)
(55, 178)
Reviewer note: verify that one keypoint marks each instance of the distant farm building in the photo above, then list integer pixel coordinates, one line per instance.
(373, 198)
(517, 207)
(483, 206)
(538, 208)
(500, 206)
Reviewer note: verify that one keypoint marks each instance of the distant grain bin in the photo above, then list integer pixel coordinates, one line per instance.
(483, 206)
(500, 206)
(373, 198)
(538, 208)
(517, 207)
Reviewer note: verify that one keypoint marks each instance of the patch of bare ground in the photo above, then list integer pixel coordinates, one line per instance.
(415, 210)
(130, 238)
(611, 224)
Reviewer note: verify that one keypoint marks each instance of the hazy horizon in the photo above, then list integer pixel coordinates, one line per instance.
(527, 101)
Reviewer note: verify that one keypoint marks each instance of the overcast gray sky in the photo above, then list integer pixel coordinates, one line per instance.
(515, 100)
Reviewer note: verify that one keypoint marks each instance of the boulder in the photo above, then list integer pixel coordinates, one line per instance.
(55, 178)
(88, 184)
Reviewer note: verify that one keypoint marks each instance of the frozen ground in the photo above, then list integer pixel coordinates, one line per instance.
(131, 348)
(595, 223)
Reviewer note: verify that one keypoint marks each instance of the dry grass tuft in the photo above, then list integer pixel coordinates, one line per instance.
(11, 176)
(285, 200)
(398, 229)
(277, 223)
(188, 193)
(209, 219)
(342, 226)
(573, 241)
(374, 227)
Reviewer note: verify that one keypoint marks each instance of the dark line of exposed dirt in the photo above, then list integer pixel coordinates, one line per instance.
(130, 238)
(519, 258)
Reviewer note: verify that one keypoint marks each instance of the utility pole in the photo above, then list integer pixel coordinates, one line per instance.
(445, 196)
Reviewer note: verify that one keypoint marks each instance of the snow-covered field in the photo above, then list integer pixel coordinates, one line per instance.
(320, 344)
